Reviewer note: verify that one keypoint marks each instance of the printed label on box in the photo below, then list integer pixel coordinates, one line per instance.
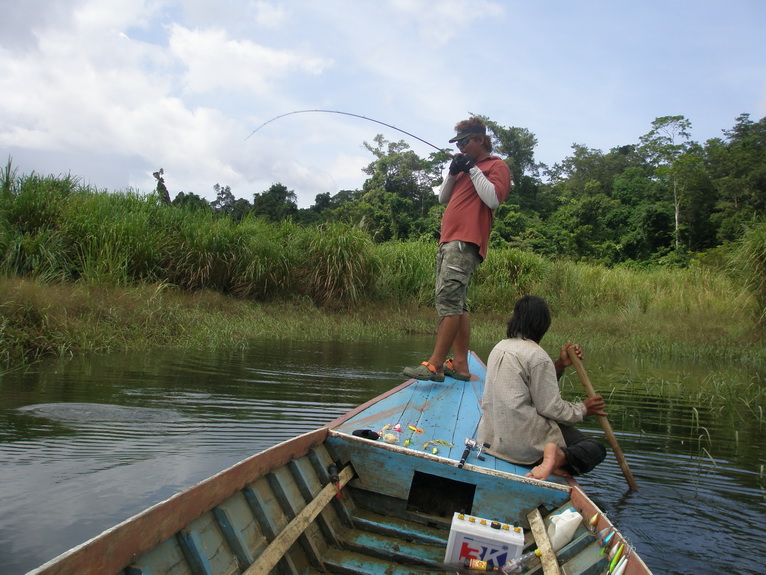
(476, 538)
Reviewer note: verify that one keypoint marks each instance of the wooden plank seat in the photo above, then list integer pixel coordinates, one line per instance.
(289, 535)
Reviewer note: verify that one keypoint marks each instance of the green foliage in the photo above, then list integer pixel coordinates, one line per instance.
(138, 249)
(35, 202)
(518, 145)
(748, 262)
(407, 272)
(653, 202)
(338, 265)
(396, 201)
(659, 203)
(190, 201)
(506, 275)
(112, 238)
(737, 169)
(275, 204)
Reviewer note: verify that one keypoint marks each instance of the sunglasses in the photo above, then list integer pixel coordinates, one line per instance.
(463, 142)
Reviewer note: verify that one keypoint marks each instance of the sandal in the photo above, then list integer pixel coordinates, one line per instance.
(424, 372)
(450, 371)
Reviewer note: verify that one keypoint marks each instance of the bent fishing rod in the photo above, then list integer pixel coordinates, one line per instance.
(352, 115)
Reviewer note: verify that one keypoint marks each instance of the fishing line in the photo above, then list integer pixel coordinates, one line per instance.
(346, 114)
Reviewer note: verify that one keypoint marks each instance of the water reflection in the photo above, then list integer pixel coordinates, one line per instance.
(87, 443)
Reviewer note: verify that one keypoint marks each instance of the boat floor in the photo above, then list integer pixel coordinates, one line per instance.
(391, 546)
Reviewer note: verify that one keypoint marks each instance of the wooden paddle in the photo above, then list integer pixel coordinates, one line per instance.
(603, 419)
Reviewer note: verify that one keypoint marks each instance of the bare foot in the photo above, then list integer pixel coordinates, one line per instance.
(553, 459)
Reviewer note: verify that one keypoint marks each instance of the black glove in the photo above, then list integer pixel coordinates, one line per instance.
(461, 163)
(454, 168)
(468, 163)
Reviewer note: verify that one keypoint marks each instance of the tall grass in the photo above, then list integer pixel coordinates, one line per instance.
(406, 272)
(116, 239)
(56, 232)
(506, 275)
(52, 230)
(748, 261)
(337, 265)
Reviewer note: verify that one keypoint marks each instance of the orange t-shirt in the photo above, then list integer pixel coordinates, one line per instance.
(467, 218)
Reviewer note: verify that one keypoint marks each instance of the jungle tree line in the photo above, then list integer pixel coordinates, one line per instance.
(658, 200)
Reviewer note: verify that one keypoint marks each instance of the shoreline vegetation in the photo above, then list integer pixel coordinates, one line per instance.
(57, 320)
(85, 271)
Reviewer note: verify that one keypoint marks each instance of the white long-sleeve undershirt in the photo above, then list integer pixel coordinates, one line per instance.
(484, 188)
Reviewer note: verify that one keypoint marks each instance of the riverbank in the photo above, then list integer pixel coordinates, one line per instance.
(57, 320)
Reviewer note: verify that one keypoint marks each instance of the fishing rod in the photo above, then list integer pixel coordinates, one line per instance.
(346, 114)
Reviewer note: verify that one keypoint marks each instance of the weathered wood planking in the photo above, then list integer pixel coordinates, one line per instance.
(548, 556)
(297, 527)
(119, 546)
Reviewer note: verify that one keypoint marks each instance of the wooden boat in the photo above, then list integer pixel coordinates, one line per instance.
(332, 501)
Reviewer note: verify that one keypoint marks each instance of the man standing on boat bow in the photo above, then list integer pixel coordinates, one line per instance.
(524, 419)
(477, 183)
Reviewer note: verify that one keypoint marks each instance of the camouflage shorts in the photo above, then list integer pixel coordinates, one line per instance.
(455, 264)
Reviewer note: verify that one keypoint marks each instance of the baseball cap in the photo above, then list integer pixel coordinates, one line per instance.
(469, 131)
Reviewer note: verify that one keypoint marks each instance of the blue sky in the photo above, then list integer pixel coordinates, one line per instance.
(112, 91)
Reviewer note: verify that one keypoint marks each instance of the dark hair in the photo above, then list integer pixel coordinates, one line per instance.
(530, 320)
(476, 122)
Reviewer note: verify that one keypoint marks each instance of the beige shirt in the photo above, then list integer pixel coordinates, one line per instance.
(522, 403)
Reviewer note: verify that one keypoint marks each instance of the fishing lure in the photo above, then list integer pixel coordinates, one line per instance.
(616, 557)
(437, 442)
(390, 438)
(603, 533)
(415, 429)
(605, 544)
(619, 569)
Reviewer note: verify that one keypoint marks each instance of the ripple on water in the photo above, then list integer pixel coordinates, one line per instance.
(71, 466)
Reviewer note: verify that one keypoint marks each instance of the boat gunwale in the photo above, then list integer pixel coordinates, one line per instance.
(151, 526)
(107, 553)
(451, 462)
(367, 404)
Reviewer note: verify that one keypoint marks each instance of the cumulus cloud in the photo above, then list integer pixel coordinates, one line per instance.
(213, 61)
(117, 90)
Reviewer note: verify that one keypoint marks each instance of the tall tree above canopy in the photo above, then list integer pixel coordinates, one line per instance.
(399, 170)
(399, 193)
(518, 146)
(275, 204)
(224, 200)
(738, 170)
(668, 146)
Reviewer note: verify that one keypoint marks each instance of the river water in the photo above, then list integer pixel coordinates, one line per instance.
(88, 442)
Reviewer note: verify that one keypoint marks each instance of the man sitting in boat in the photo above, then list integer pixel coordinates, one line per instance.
(523, 415)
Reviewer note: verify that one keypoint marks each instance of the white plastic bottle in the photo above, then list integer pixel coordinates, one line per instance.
(562, 528)
(518, 564)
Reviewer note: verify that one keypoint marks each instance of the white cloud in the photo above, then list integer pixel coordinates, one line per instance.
(269, 15)
(214, 62)
(441, 22)
(117, 90)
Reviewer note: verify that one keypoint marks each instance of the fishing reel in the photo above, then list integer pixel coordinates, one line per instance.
(469, 445)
